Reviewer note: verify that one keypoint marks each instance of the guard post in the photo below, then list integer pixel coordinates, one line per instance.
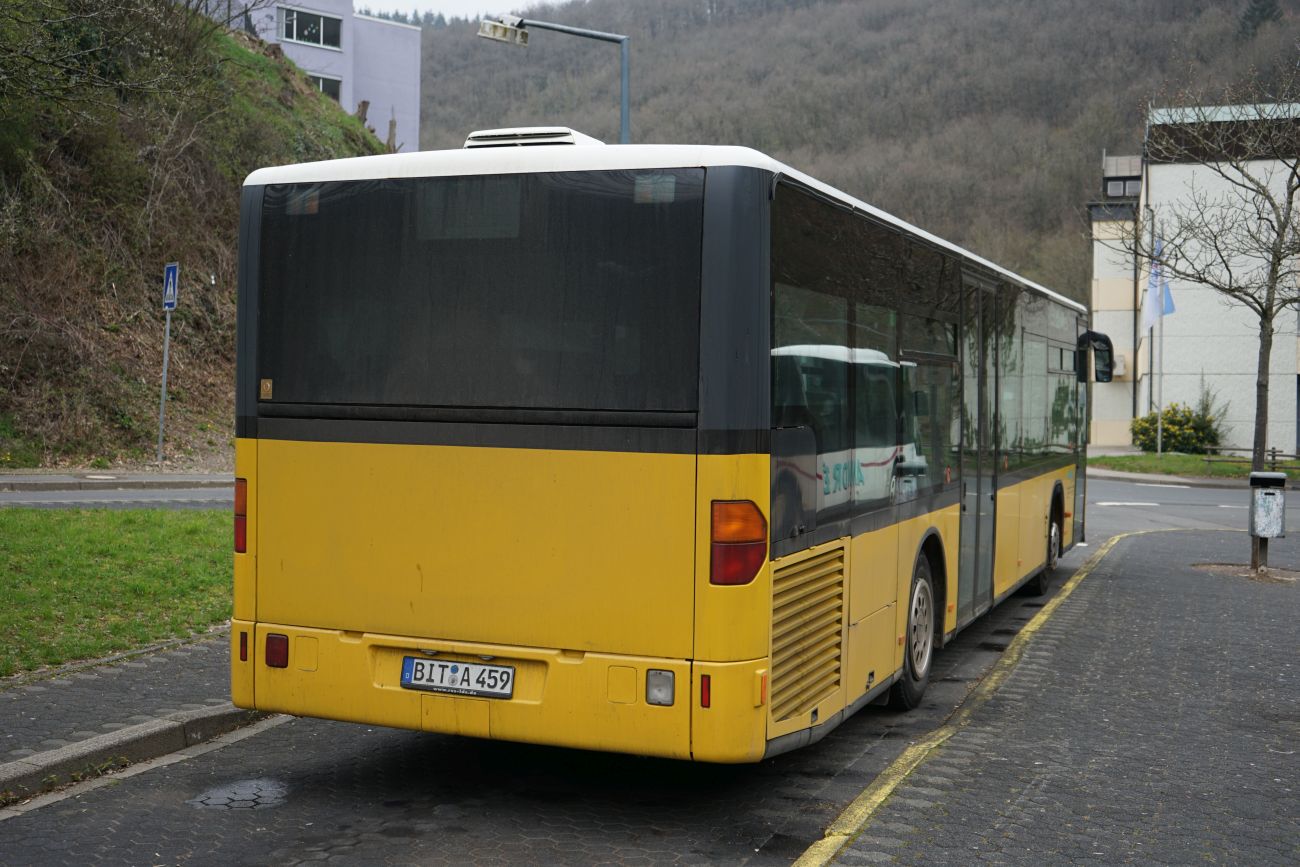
(1267, 514)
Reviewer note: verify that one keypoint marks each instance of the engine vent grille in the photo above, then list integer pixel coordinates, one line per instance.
(807, 617)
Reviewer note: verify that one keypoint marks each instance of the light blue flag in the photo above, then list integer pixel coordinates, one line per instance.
(1159, 300)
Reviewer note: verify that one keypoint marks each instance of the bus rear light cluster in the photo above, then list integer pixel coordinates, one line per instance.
(241, 516)
(706, 690)
(739, 537)
(277, 650)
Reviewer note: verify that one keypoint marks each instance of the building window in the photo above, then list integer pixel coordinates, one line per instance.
(328, 86)
(308, 27)
(1132, 188)
(1115, 188)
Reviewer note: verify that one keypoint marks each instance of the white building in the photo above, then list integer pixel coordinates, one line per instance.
(352, 58)
(1208, 342)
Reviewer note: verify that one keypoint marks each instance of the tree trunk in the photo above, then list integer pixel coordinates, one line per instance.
(1258, 553)
(1260, 445)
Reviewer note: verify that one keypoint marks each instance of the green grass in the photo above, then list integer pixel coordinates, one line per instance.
(82, 584)
(1182, 465)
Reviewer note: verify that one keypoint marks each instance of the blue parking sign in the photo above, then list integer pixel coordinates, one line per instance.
(171, 284)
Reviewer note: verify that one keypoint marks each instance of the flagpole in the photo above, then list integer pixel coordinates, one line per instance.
(1160, 385)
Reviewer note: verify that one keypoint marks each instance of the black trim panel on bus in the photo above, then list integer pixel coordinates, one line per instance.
(735, 346)
(877, 519)
(250, 246)
(477, 415)
(663, 440)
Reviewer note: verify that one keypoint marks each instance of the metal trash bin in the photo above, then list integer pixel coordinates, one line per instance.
(1268, 505)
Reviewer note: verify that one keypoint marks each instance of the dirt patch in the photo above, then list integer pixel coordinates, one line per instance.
(1241, 570)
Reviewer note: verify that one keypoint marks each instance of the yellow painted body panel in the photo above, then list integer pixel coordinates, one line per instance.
(241, 673)
(564, 698)
(870, 656)
(731, 623)
(245, 593)
(873, 572)
(582, 570)
(1008, 556)
(588, 551)
(734, 727)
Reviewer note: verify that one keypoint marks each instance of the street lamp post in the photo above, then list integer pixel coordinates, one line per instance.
(514, 30)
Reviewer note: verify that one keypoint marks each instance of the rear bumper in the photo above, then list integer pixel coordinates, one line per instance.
(561, 698)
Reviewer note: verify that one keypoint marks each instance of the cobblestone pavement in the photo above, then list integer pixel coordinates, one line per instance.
(1155, 719)
(84, 701)
(311, 790)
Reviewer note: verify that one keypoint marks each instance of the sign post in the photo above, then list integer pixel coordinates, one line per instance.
(171, 288)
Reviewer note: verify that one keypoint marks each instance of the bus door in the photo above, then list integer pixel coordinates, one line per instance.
(979, 495)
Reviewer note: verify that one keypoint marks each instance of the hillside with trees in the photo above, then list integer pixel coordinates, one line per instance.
(981, 120)
(126, 129)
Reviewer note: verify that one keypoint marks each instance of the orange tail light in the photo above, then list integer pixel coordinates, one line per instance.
(739, 538)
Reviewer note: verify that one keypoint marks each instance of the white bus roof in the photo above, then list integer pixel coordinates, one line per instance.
(560, 158)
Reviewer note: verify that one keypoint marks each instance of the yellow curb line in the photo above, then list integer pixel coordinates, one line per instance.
(849, 824)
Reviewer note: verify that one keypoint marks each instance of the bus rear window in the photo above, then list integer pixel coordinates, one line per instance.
(551, 291)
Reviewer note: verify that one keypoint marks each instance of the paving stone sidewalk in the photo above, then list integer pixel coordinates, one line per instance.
(1155, 719)
(90, 700)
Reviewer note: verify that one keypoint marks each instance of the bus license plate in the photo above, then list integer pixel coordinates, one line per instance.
(459, 678)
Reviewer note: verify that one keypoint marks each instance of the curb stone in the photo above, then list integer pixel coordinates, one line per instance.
(39, 773)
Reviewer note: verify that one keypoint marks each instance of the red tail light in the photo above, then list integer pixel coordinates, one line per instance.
(277, 650)
(243, 647)
(706, 690)
(241, 516)
(739, 536)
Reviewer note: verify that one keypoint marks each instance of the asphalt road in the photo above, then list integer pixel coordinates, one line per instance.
(1122, 506)
(149, 498)
(299, 790)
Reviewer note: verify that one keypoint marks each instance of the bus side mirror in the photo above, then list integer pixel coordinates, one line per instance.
(1103, 356)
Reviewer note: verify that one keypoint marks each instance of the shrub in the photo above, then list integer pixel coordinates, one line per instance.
(1186, 430)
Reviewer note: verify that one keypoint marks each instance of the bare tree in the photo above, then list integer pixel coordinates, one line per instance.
(1236, 228)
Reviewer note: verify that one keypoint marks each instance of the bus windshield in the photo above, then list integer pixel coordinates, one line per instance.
(559, 291)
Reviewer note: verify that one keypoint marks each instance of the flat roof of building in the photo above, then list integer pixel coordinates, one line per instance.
(1224, 113)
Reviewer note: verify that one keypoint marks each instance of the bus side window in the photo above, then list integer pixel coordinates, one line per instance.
(794, 452)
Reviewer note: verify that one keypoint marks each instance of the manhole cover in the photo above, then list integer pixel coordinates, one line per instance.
(243, 795)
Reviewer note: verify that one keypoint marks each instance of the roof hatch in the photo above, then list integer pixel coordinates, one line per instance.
(528, 135)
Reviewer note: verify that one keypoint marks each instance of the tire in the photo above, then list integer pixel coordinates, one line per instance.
(918, 646)
(1042, 582)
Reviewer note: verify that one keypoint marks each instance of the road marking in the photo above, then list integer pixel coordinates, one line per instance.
(850, 823)
(1159, 485)
(1221, 506)
(1123, 503)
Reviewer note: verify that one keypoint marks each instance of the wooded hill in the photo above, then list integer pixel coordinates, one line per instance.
(126, 129)
(980, 120)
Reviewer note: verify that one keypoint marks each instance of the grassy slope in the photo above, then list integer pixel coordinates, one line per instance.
(96, 205)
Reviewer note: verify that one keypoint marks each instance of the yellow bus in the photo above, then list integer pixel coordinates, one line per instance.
(666, 450)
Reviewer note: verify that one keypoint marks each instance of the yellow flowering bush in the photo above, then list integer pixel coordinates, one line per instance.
(1186, 430)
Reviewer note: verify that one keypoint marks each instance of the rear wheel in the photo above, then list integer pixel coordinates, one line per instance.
(919, 642)
(1043, 580)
